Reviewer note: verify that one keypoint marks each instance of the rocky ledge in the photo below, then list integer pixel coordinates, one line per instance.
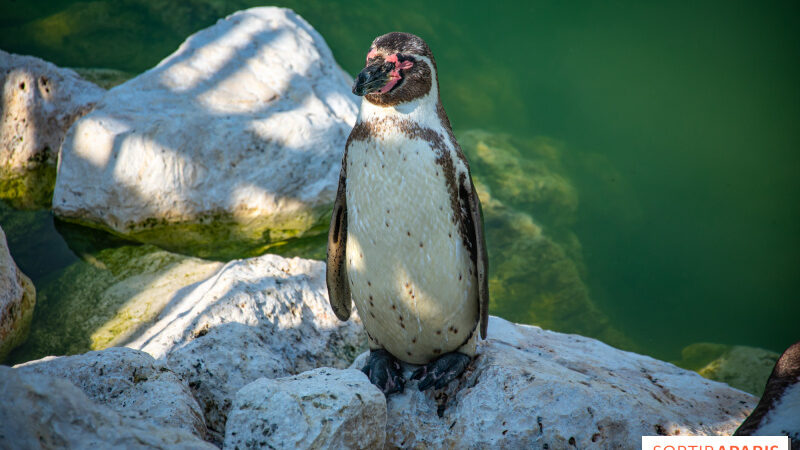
(256, 336)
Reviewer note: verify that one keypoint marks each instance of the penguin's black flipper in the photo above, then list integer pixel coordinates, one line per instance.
(336, 271)
(442, 371)
(384, 371)
(477, 248)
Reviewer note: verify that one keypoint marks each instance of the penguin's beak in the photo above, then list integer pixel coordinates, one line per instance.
(372, 78)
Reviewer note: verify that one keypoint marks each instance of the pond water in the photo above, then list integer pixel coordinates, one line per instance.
(667, 139)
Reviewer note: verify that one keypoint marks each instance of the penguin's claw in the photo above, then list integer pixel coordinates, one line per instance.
(384, 371)
(441, 371)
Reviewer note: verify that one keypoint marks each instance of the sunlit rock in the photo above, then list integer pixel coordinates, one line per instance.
(130, 382)
(109, 300)
(745, 368)
(322, 409)
(532, 388)
(17, 300)
(42, 411)
(260, 317)
(536, 264)
(230, 144)
(39, 103)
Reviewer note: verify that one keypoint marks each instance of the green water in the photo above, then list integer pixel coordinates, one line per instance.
(675, 125)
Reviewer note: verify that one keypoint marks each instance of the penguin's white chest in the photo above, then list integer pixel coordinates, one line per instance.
(410, 273)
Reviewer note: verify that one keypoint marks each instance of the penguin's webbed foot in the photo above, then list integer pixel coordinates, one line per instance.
(384, 371)
(441, 371)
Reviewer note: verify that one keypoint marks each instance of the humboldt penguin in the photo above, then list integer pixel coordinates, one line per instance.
(778, 411)
(406, 237)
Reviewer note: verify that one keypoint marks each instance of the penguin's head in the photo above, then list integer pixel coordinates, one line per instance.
(400, 68)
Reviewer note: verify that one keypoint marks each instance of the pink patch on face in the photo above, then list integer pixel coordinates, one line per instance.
(372, 53)
(394, 75)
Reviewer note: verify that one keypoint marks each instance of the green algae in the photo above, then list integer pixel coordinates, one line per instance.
(742, 367)
(105, 301)
(30, 188)
(536, 269)
(105, 78)
(222, 236)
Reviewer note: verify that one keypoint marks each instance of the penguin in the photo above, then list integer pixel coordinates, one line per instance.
(406, 239)
(778, 411)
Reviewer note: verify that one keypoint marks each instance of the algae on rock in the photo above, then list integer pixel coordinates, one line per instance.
(742, 367)
(536, 269)
(29, 188)
(103, 303)
(38, 103)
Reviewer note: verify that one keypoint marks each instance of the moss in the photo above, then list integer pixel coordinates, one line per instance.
(28, 189)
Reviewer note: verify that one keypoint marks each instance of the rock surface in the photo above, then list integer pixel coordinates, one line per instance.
(17, 300)
(130, 382)
(529, 388)
(322, 409)
(39, 103)
(231, 143)
(108, 301)
(259, 317)
(41, 411)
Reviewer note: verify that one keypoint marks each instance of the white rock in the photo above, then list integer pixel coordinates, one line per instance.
(17, 300)
(322, 409)
(40, 101)
(131, 383)
(41, 411)
(238, 135)
(530, 387)
(260, 317)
